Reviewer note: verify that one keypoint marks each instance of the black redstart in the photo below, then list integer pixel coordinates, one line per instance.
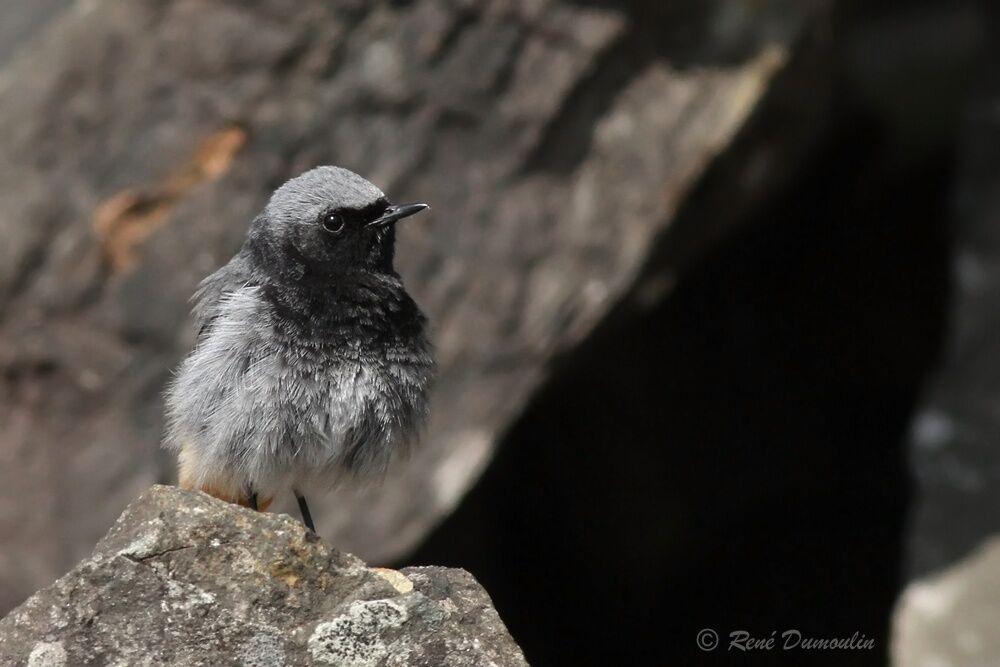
(311, 359)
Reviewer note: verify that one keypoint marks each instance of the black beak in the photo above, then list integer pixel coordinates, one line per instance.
(397, 212)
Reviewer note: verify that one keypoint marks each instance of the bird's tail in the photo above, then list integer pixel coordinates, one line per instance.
(191, 477)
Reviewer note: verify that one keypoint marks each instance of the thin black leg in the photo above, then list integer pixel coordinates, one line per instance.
(253, 500)
(304, 509)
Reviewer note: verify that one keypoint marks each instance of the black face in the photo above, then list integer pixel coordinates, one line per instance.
(347, 238)
(296, 238)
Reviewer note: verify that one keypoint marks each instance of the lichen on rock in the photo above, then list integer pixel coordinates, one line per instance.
(185, 579)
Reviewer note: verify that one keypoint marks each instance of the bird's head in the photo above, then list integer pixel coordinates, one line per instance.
(330, 220)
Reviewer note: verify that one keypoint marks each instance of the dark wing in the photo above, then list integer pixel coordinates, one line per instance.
(208, 297)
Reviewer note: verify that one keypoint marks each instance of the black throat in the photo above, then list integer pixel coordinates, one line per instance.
(345, 309)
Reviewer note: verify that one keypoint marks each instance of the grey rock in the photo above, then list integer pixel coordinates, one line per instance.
(953, 444)
(184, 579)
(22, 19)
(950, 619)
(949, 613)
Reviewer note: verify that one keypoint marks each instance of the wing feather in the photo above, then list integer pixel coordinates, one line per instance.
(207, 299)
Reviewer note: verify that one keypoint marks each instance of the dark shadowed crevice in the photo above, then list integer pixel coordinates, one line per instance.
(732, 458)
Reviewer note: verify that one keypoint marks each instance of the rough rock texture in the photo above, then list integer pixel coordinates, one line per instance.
(556, 142)
(951, 619)
(184, 579)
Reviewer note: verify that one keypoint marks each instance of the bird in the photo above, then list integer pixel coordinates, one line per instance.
(311, 361)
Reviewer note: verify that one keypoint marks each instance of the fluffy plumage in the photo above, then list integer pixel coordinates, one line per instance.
(311, 358)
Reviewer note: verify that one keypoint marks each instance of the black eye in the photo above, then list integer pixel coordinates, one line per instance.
(333, 222)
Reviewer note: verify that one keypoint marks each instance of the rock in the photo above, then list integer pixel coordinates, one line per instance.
(948, 614)
(953, 443)
(557, 141)
(951, 618)
(185, 579)
(22, 19)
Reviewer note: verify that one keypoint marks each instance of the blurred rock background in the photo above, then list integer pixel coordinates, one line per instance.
(700, 273)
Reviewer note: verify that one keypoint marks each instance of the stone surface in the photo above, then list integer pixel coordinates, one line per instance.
(951, 619)
(556, 142)
(953, 445)
(184, 579)
(948, 614)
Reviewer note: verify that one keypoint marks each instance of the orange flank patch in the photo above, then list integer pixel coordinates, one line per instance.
(238, 499)
(217, 488)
